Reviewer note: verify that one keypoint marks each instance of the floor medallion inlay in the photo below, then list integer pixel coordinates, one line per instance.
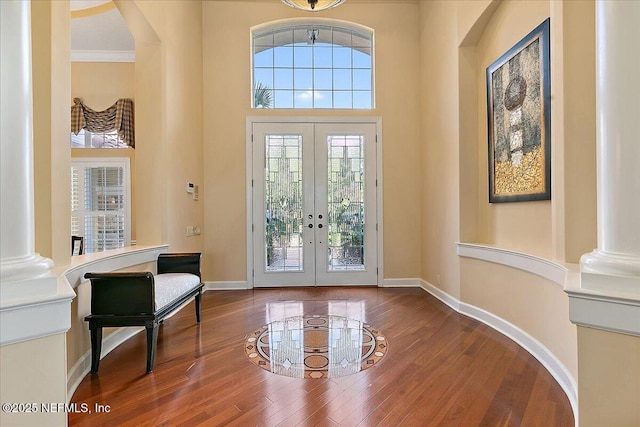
(317, 346)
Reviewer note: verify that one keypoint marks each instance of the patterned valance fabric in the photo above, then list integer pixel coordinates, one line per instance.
(118, 117)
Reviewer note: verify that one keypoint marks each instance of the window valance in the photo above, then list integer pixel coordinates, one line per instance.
(118, 117)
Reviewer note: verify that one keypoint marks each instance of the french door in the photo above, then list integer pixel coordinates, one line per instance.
(314, 204)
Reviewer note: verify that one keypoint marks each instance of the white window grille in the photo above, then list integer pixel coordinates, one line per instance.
(101, 202)
(313, 66)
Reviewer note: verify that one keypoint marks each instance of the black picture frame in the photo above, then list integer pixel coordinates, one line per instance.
(77, 245)
(519, 120)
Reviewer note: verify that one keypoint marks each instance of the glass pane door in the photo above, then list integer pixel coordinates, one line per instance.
(346, 196)
(345, 202)
(314, 203)
(283, 228)
(282, 202)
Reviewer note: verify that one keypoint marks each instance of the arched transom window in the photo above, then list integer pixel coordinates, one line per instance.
(312, 66)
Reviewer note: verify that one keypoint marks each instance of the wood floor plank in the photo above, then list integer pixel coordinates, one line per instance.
(441, 368)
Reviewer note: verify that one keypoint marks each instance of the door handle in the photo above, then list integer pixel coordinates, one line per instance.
(311, 226)
(319, 225)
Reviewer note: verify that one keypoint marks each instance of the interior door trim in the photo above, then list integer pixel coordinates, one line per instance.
(311, 119)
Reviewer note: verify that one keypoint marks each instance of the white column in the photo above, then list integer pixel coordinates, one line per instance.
(18, 261)
(618, 149)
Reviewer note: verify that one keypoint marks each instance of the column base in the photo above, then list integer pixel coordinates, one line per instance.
(34, 308)
(19, 291)
(611, 264)
(606, 311)
(609, 293)
(626, 287)
(23, 268)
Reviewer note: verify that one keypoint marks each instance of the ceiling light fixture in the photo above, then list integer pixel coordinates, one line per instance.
(313, 5)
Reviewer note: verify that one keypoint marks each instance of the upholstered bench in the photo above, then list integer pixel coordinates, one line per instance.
(142, 299)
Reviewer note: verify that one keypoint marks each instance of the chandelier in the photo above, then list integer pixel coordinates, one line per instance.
(313, 5)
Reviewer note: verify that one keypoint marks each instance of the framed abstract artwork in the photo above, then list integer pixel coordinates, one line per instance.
(519, 121)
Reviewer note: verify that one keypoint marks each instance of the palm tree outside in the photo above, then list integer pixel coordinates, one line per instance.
(262, 96)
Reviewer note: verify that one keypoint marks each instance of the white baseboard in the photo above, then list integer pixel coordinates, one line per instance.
(441, 295)
(242, 285)
(83, 365)
(400, 283)
(226, 286)
(538, 350)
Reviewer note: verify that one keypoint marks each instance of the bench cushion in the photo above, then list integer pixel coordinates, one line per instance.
(170, 286)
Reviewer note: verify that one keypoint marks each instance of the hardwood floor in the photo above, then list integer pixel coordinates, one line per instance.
(441, 368)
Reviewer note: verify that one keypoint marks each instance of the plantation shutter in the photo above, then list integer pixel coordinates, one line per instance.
(75, 201)
(100, 206)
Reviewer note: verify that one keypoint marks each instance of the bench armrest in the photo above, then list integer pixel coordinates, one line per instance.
(180, 263)
(122, 293)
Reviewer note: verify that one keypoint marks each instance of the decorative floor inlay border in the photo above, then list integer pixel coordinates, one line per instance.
(317, 346)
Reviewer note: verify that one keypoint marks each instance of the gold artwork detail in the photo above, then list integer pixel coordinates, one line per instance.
(528, 177)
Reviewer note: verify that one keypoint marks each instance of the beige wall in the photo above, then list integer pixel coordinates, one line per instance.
(440, 149)
(34, 372)
(609, 385)
(227, 92)
(168, 93)
(440, 153)
(573, 138)
(51, 123)
(100, 84)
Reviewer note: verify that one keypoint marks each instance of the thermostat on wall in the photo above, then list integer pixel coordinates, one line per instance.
(190, 187)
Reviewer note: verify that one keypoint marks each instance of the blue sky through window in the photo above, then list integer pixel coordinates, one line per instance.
(333, 72)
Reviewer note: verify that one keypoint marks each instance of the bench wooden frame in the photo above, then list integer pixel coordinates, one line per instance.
(128, 299)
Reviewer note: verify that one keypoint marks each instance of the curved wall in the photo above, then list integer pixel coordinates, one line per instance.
(525, 304)
(535, 304)
(529, 300)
